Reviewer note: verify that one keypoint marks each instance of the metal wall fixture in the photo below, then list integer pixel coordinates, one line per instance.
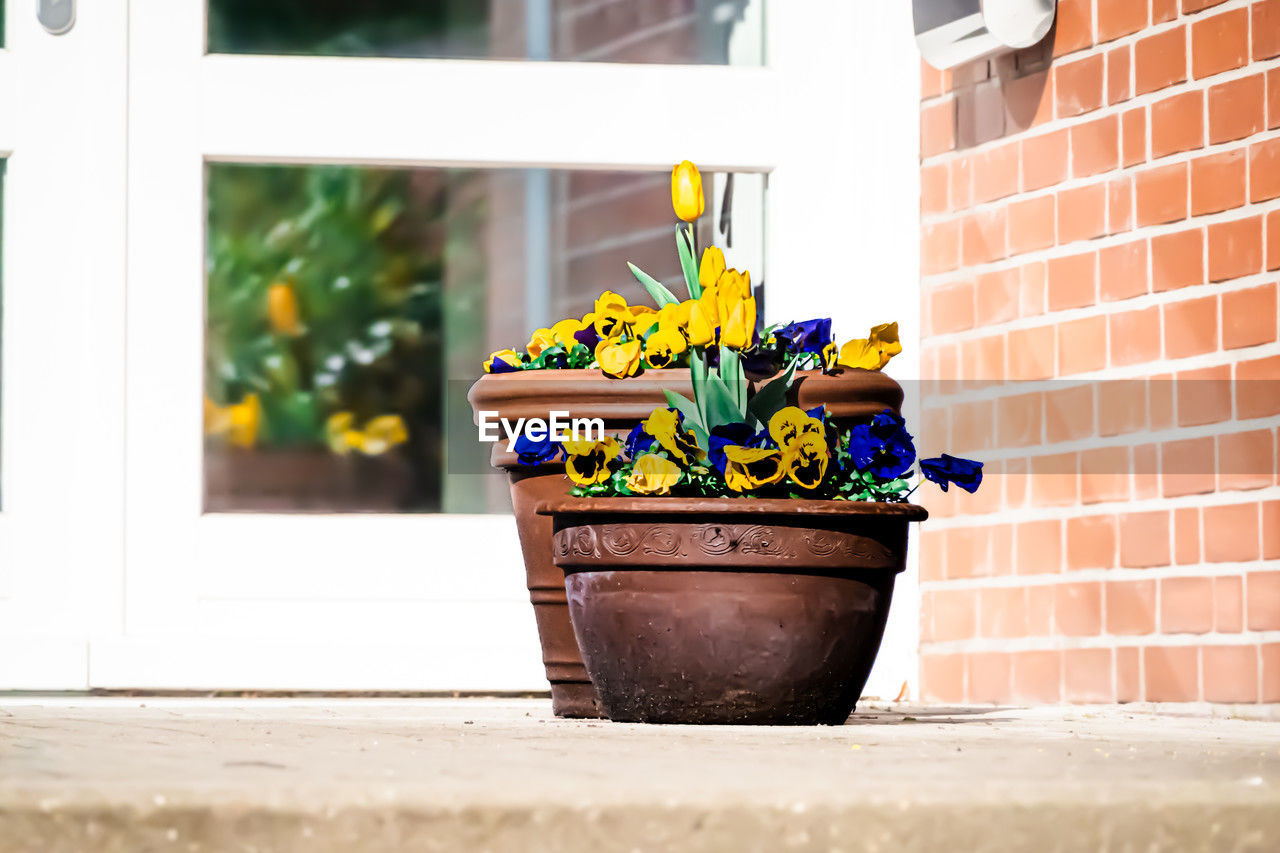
(952, 32)
(56, 16)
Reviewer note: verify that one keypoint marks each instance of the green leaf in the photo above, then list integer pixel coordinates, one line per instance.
(698, 378)
(721, 405)
(773, 396)
(688, 262)
(734, 379)
(656, 288)
(692, 418)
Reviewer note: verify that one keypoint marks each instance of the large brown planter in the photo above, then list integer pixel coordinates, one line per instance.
(729, 610)
(850, 396)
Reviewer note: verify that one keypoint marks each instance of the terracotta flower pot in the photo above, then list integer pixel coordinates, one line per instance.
(729, 610)
(850, 396)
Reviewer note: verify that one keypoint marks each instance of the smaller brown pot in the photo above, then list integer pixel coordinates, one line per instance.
(729, 610)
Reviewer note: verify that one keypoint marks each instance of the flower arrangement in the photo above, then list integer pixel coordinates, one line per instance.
(717, 321)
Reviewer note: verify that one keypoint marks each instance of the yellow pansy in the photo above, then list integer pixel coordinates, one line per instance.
(618, 360)
(829, 356)
(379, 435)
(664, 347)
(588, 462)
(686, 191)
(239, 422)
(885, 337)
(711, 268)
(540, 339)
(788, 424)
(664, 425)
(806, 462)
(860, 352)
(338, 430)
(502, 361)
(564, 331)
(748, 468)
(675, 315)
(653, 475)
(612, 315)
(282, 310)
(644, 321)
(704, 318)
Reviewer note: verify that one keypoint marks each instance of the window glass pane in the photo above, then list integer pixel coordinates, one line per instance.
(379, 292)
(715, 32)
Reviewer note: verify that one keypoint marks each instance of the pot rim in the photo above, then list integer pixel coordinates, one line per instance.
(729, 506)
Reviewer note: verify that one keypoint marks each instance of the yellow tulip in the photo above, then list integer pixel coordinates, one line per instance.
(564, 331)
(664, 425)
(704, 318)
(282, 310)
(663, 347)
(245, 421)
(712, 266)
(589, 462)
(806, 462)
(748, 468)
(789, 424)
(653, 475)
(509, 357)
(686, 191)
(675, 316)
(540, 339)
(618, 360)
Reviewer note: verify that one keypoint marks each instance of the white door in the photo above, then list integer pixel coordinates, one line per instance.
(519, 160)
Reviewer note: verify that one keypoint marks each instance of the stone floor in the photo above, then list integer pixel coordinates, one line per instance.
(490, 774)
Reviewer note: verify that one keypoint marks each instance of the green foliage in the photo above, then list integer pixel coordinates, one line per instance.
(656, 289)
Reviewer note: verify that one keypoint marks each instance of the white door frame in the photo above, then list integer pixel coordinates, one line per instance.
(438, 602)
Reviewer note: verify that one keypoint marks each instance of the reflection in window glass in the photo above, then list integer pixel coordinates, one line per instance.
(349, 310)
(714, 32)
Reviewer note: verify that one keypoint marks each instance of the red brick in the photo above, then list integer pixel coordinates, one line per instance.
(1177, 124)
(1160, 401)
(1186, 535)
(1033, 288)
(1122, 271)
(955, 615)
(1219, 43)
(1249, 317)
(1119, 204)
(1044, 160)
(1191, 327)
(960, 183)
(1235, 248)
(1186, 605)
(997, 294)
(1091, 542)
(1237, 109)
(1273, 98)
(1128, 670)
(1028, 100)
(1122, 403)
(932, 81)
(1204, 395)
(1055, 480)
(1073, 281)
(1258, 388)
(1177, 260)
(1004, 612)
(937, 128)
(1231, 533)
(1087, 675)
(1119, 75)
(1263, 601)
(995, 173)
(971, 425)
(1095, 146)
(1264, 169)
(983, 237)
(1273, 240)
(1069, 411)
(1218, 182)
(1160, 60)
(1039, 547)
(1230, 673)
(1270, 653)
(1172, 673)
(990, 677)
(1074, 29)
(1019, 420)
(1133, 125)
(1040, 610)
(1078, 86)
(1191, 6)
(1082, 215)
(942, 678)
(1271, 530)
(939, 247)
(1187, 466)
(1104, 472)
(1228, 604)
(1037, 677)
(1035, 351)
(1119, 18)
(1266, 29)
(952, 308)
(1131, 607)
(933, 189)
(1162, 194)
(1246, 460)
(1033, 224)
(1163, 11)
(1082, 347)
(1144, 539)
(1135, 336)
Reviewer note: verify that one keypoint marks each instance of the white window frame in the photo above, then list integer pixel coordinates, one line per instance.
(427, 602)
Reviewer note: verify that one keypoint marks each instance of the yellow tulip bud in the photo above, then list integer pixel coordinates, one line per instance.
(686, 191)
(704, 318)
(712, 267)
(282, 310)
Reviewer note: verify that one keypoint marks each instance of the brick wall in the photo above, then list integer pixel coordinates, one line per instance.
(1100, 245)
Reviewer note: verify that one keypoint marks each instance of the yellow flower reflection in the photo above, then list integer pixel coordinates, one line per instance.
(379, 435)
(653, 475)
(239, 422)
(282, 310)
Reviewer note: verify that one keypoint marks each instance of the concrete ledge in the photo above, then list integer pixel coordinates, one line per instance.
(109, 774)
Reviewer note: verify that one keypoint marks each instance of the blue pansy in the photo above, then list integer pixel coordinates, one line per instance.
(883, 447)
(806, 336)
(739, 434)
(531, 452)
(638, 441)
(588, 337)
(965, 473)
(501, 366)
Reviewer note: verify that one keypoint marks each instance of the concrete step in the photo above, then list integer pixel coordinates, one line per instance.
(318, 775)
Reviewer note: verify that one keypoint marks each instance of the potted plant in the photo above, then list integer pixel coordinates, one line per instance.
(619, 361)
